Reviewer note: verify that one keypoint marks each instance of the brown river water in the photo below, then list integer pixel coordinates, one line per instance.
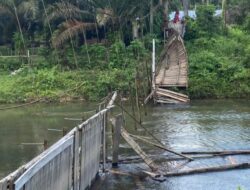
(202, 125)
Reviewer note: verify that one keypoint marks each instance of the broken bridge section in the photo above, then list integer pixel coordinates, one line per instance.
(171, 71)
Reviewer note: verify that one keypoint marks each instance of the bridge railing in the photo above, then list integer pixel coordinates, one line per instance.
(71, 163)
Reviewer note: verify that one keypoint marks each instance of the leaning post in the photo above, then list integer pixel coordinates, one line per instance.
(117, 123)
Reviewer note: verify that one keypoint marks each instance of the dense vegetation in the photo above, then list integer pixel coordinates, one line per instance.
(219, 57)
(85, 49)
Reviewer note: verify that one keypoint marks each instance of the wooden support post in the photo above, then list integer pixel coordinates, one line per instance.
(137, 97)
(123, 116)
(117, 123)
(132, 104)
(153, 66)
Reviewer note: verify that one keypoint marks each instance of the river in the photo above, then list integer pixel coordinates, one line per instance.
(202, 125)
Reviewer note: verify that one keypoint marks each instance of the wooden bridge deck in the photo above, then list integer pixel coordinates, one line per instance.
(172, 69)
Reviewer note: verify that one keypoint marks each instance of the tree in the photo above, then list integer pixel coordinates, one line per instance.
(185, 4)
(206, 21)
(21, 14)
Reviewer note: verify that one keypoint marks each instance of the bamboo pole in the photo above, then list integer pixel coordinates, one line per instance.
(163, 147)
(225, 152)
(153, 66)
(208, 169)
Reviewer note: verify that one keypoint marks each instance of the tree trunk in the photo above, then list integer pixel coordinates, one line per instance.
(166, 9)
(185, 7)
(224, 12)
(165, 13)
(151, 19)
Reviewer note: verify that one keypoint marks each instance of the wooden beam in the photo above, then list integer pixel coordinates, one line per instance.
(138, 150)
(172, 96)
(225, 152)
(208, 169)
(172, 92)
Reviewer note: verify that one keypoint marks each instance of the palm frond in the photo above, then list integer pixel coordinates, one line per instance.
(70, 29)
(5, 10)
(29, 9)
(65, 10)
(104, 15)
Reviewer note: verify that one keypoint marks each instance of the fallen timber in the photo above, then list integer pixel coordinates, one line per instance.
(138, 159)
(162, 172)
(208, 169)
(163, 147)
(171, 71)
(138, 150)
(225, 152)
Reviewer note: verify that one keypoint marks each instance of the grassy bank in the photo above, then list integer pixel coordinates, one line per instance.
(100, 69)
(56, 85)
(218, 68)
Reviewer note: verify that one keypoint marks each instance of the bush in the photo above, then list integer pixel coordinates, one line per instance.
(219, 65)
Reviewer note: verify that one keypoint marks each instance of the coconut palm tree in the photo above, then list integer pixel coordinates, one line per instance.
(20, 13)
(76, 20)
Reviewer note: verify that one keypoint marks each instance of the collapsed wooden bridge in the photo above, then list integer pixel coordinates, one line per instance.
(171, 72)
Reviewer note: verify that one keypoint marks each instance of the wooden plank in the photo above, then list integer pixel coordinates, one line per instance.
(171, 96)
(138, 150)
(172, 92)
(57, 149)
(76, 160)
(167, 101)
(172, 84)
(3, 184)
(90, 150)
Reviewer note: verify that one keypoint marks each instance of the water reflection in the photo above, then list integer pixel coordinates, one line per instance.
(30, 125)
